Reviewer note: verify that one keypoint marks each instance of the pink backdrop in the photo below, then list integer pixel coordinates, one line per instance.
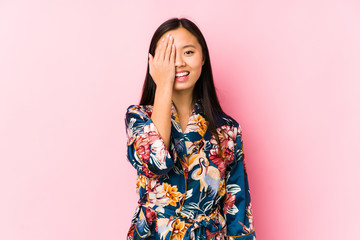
(288, 71)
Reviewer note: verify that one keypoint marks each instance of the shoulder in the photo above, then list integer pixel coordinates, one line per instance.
(228, 126)
(143, 111)
(224, 119)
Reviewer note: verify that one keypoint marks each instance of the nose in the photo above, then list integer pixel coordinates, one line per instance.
(179, 61)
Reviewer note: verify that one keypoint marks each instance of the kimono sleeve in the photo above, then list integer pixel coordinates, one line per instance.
(146, 149)
(237, 203)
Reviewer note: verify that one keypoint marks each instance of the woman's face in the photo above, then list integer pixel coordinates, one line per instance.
(188, 58)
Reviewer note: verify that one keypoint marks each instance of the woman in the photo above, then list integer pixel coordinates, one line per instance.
(188, 153)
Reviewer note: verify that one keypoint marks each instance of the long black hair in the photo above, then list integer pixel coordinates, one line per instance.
(204, 90)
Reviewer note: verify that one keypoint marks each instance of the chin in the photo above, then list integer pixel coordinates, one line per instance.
(182, 88)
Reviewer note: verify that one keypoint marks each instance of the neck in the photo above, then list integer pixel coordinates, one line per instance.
(183, 101)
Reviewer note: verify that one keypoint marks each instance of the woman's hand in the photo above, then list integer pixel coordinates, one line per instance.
(162, 65)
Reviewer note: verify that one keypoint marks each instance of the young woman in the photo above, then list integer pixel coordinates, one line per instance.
(188, 153)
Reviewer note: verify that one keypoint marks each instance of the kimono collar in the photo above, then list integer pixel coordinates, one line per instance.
(196, 128)
(196, 121)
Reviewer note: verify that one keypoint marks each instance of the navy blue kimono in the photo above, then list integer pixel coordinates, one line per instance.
(190, 191)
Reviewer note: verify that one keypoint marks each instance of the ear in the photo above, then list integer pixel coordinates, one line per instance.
(203, 61)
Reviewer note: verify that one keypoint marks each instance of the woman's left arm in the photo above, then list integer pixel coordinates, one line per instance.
(237, 203)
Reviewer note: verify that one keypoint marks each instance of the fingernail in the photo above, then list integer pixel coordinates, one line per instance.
(163, 39)
(168, 35)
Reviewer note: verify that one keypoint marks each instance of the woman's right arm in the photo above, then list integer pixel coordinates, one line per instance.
(162, 71)
(149, 138)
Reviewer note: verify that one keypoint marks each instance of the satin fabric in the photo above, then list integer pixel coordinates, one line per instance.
(190, 191)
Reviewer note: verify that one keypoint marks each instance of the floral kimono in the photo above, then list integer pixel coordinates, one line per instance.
(189, 191)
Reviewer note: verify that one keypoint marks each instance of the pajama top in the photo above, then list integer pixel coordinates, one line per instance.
(189, 191)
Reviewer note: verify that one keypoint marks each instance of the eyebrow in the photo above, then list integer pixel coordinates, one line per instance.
(189, 45)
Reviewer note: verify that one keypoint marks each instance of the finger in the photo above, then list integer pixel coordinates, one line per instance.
(169, 48)
(157, 50)
(163, 49)
(150, 58)
(172, 54)
(150, 62)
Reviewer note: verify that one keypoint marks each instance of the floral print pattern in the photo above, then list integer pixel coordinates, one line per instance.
(189, 191)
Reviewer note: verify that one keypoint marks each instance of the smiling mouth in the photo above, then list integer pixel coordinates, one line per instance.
(182, 74)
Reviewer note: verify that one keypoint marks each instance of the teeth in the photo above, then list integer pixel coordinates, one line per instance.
(181, 74)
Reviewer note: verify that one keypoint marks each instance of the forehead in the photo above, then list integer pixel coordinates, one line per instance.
(181, 37)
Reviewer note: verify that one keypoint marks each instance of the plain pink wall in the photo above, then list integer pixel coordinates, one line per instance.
(288, 71)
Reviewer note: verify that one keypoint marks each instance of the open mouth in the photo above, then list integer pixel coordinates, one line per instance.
(182, 76)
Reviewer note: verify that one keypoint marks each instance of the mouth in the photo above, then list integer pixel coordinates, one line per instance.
(182, 76)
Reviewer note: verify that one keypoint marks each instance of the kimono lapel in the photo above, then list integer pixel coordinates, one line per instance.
(188, 141)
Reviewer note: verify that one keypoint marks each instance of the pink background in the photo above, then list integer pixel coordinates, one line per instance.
(288, 71)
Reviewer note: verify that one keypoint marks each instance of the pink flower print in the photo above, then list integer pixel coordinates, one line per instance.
(150, 215)
(142, 148)
(229, 202)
